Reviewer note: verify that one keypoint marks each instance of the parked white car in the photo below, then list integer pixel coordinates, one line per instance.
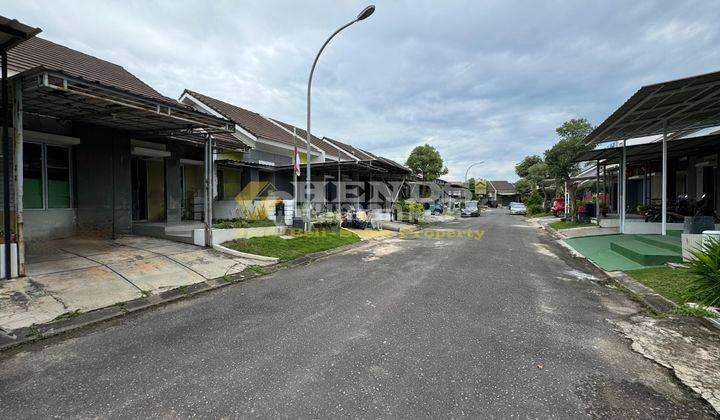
(518, 208)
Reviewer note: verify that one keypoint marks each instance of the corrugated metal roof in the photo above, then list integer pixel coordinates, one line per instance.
(683, 104)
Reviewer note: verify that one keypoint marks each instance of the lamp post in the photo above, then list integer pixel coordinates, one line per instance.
(361, 16)
(468, 170)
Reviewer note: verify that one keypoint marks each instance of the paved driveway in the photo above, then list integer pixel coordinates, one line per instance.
(433, 326)
(83, 274)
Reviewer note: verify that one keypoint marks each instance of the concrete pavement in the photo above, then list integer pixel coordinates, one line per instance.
(441, 326)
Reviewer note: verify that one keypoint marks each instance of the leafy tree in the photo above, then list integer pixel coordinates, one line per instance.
(523, 187)
(471, 187)
(426, 161)
(521, 169)
(560, 158)
(538, 175)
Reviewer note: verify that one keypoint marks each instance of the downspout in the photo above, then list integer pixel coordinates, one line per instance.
(623, 198)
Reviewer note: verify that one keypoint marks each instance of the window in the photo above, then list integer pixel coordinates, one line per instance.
(33, 176)
(46, 176)
(58, 177)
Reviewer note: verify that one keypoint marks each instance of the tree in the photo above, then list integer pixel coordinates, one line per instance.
(560, 158)
(523, 188)
(425, 161)
(538, 175)
(471, 187)
(521, 169)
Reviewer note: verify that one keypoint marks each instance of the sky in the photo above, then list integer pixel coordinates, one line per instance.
(478, 80)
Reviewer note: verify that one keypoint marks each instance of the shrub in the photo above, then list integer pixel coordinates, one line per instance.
(704, 289)
(535, 209)
(409, 210)
(535, 199)
(328, 220)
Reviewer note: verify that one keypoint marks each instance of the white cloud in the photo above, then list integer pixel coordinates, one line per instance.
(478, 80)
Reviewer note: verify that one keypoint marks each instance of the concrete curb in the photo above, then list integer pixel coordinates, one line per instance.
(33, 333)
(235, 253)
(657, 303)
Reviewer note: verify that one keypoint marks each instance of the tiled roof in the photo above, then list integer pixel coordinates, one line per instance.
(354, 151)
(253, 122)
(329, 150)
(37, 52)
(503, 185)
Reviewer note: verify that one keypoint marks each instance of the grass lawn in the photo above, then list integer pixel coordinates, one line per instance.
(289, 249)
(561, 224)
(668, 282)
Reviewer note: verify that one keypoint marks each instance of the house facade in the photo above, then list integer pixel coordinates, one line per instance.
(502, 191)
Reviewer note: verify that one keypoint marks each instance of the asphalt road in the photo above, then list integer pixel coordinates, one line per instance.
(501, 326)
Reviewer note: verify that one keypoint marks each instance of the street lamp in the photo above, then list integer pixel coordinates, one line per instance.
(361, 16)
(468, 170)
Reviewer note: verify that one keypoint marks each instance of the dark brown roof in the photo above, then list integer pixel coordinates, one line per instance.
(37, 52)
(503, 186)
(354, 151)
(329, 150)
(253, 122)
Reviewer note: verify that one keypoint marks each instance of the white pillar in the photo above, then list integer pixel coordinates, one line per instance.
(597, 192)
(664, 179)
(18, 173)
(567, 200)
(623, 171)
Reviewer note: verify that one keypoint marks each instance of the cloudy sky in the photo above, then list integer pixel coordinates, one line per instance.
(479, 80)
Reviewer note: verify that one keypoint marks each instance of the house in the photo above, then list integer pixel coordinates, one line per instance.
(96, 151)
(502, 191)
(269, 160)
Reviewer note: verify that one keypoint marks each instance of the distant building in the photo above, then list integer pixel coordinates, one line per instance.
(503, 192)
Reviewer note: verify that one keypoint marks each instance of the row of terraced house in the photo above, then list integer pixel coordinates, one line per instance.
(96, 151)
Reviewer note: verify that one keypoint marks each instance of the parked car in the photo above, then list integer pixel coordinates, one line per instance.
(471, 209)
(434, 208)
(558, 207)
(518, 208)
(492, 204)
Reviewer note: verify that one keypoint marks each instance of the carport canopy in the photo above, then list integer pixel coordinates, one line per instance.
(56, 94)
(650, 151)
(676, 105)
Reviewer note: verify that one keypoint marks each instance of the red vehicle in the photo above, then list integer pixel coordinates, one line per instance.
(558, 207)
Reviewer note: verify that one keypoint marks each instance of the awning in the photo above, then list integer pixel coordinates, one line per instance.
(56, 94)
(13, 32)
(652, 151)
(689, 103)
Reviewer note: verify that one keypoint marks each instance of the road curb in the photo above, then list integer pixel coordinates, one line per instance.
(56, 327)
(646, 296)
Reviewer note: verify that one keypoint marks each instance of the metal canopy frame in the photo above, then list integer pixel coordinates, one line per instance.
(651, 151)
(56, 94)
(13, 32)
(689, 103)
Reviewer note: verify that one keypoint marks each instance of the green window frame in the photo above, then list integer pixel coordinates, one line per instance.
(47, 180)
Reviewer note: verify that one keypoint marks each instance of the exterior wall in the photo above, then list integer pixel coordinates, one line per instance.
(49, 224)
(103, 181)
(255, 156)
